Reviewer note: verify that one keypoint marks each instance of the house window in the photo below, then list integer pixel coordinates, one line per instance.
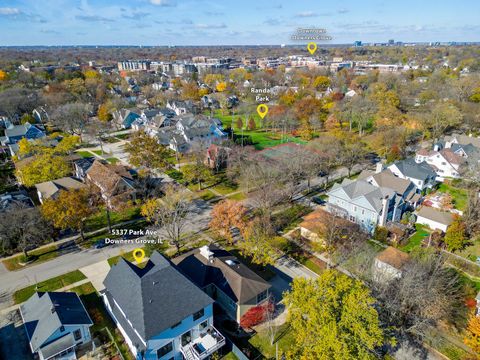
(198, 315)
(262, 296)
(164, 350)
(77, 334)
(203, 325)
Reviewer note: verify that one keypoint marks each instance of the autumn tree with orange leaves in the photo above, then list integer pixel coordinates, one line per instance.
(226, 215)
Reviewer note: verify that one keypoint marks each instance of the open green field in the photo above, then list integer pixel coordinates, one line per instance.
(52, 284)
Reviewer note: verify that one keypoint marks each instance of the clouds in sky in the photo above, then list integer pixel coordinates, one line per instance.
(204, 22)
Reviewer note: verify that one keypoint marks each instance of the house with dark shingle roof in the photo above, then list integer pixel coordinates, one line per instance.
(223, 277)
(55, 324)
(160, 313)
(420, 173)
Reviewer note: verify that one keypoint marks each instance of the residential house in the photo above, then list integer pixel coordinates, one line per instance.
(81, 166)
(51, 189)
(182, 107)
(434, 219)
(40, 115)
(313, 224)
(161, 314)
(223, 277)
(14, 133)
(445, 162)
(389, 264)
(404, 188)
(217, 156)
(115, 183)
(10, 200)
(421, 174)
(124, 118)
(462, 140)
(365, 204)
(56, 324)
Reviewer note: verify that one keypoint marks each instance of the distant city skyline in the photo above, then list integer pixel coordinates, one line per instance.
(248, 22)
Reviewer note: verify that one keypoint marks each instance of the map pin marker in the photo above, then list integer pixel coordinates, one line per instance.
(262, 110)
(312, 47)
(138, 255)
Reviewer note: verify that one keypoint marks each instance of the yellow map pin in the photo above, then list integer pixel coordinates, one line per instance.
(312, 47)
(138, 255)
(262, 110)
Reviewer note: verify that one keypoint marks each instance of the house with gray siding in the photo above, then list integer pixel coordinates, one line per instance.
(365, 204)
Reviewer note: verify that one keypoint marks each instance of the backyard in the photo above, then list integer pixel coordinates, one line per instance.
(416, 239)
(459, 195)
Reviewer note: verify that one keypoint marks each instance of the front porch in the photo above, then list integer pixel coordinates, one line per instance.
(205, 344)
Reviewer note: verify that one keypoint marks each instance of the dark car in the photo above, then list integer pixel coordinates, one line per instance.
(318, 200)
(100, 244)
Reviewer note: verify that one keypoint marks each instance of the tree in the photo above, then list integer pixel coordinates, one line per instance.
(239, 123)
(321, 82)
(332, 317)
(23, 228)
(145, 151)
(104, 112)
(72, 117)
(442, 117)
(251, 124)
(257, 242)
(170, 214)
(427, 292)
(455, 238)
(221, 86)
(43, 167)
(3, 75)
(472, 338)
(256, 315)
(228, 214)
(69, 210)
(197, 173)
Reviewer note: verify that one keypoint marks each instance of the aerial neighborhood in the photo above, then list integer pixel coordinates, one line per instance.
(257, 202)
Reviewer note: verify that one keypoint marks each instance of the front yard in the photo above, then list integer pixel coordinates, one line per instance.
(36, 256)
(52, 284)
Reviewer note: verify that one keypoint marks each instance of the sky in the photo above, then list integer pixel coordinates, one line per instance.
(238, 22)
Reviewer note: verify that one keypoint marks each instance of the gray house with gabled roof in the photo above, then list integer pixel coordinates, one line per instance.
(160, 313)
(55, 323)
(421, 174)
(365, 204)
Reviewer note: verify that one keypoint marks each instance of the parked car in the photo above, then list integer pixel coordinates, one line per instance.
(100, 244)
(318, 200)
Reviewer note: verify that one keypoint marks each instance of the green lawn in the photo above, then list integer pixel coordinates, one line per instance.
(262, 139)
(99, 220)
(52, 284)
(35, 256)
(459, 195)
(83, 289)
(84, 154)
(229, 356)
(285, 339)
(238, 196)
(416, 239)
(98, 152)
(224, 188)
(113, 160)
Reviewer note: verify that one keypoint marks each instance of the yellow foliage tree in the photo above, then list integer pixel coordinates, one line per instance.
(221, 86)
(3, 75)
(472, 339)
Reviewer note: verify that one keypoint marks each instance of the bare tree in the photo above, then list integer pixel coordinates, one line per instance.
(72, 117)
(171, 214)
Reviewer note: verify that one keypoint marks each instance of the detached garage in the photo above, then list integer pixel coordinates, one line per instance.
(434, 219)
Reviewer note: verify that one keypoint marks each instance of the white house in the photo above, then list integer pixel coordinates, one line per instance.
(56, 323)
(445, 162)
(434, 219)
(421, 174)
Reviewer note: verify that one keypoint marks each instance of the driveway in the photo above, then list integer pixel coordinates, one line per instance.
(13, 339)
(96, 273)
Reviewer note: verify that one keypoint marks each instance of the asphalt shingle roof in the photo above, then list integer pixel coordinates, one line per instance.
(153, 298)
(411, 169)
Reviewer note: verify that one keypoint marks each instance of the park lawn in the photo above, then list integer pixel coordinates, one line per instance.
(52, 284)
(84, 154)
(459, 195)
(237, 196)
(113, 160)
(225, 188)
(262, 139)
(284, 337)
(416, 239)
(37, 256)
(99, 220)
